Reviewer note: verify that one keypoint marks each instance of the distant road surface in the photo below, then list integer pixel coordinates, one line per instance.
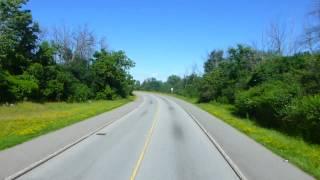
(163, 138)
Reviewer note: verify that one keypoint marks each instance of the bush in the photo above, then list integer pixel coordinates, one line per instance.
(223, 100)
(17, 88)
(3, 85)
(310, 79)
(80, 92)
(303, 117)
(53, 90)
(266, 102)
(275, 69)
(108, 93)
(36, 70)
(21, 87)
(211, 86)
(57, 83)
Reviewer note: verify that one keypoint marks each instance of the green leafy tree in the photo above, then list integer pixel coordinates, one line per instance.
(111, 70)
(45, 54)
(53, 70)
(213, 61)
(18, 36)
(191, 85)
(174, 82)
(152, 84)
(310, 75)
(137, 85)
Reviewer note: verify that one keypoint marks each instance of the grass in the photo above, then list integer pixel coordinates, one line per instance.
(304, 155)
(27, 120)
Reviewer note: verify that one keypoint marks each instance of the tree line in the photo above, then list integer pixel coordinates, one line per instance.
(66, 66)
(275, 89)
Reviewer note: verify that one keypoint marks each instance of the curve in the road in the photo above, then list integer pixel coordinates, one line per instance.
(161, 139)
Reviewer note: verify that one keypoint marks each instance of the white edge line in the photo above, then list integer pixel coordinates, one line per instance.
(42, 161)
(233, 166)
(219, 148)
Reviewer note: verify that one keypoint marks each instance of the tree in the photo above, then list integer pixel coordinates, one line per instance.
(76, 44)
(281, 39)
(311, 37)
(110, 70)
(137, 85)
(63, 43)
(214, 58)
(85, 43)
(4, 86)
(61, 69)
(174, 82)
(308, 41)
(45, 54)
(191, 85)
(245, 57)
(18, 36)
(152, 84)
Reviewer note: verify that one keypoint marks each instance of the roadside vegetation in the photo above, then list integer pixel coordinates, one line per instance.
(51, 78)
(294, 149)
(280, 92)
(270, 94)
(26, 120)
(58, 64)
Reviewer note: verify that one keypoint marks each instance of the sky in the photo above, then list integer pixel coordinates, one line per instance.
(167, 37)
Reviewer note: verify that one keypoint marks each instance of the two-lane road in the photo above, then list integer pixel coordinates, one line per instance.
(154, 137)
(158, 140)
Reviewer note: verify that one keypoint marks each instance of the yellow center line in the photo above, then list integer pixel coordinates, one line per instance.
(145, 147)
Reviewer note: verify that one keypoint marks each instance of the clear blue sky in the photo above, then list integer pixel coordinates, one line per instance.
(169, 36)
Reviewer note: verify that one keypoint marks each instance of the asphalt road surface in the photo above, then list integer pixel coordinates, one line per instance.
(161, 139)
(157, 141)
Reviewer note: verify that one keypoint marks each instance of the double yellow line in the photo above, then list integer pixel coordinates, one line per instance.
(145, 147)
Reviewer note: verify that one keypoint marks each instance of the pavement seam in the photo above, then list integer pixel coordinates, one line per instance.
(145, 147)
(233, 166)
(47, 158)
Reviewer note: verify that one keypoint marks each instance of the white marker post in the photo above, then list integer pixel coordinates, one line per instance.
(171, 90)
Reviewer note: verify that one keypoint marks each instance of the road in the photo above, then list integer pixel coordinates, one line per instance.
(161, 139)
(157, 141)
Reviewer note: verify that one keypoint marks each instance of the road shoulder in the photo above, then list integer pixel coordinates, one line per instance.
(19, 157)
(254, 160)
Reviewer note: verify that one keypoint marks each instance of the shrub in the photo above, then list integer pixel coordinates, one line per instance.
(266, 102)
(275, 69)
(4, 86)
(303, 117)
(80, 92)
(211, 86)
(36, 70)
(57, 83)
(223, 100)
(53, 90)
(21, 87)
(310, 79)
(107, 93)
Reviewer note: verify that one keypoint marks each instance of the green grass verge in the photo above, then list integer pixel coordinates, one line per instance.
(27, 120)
(302, 154)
